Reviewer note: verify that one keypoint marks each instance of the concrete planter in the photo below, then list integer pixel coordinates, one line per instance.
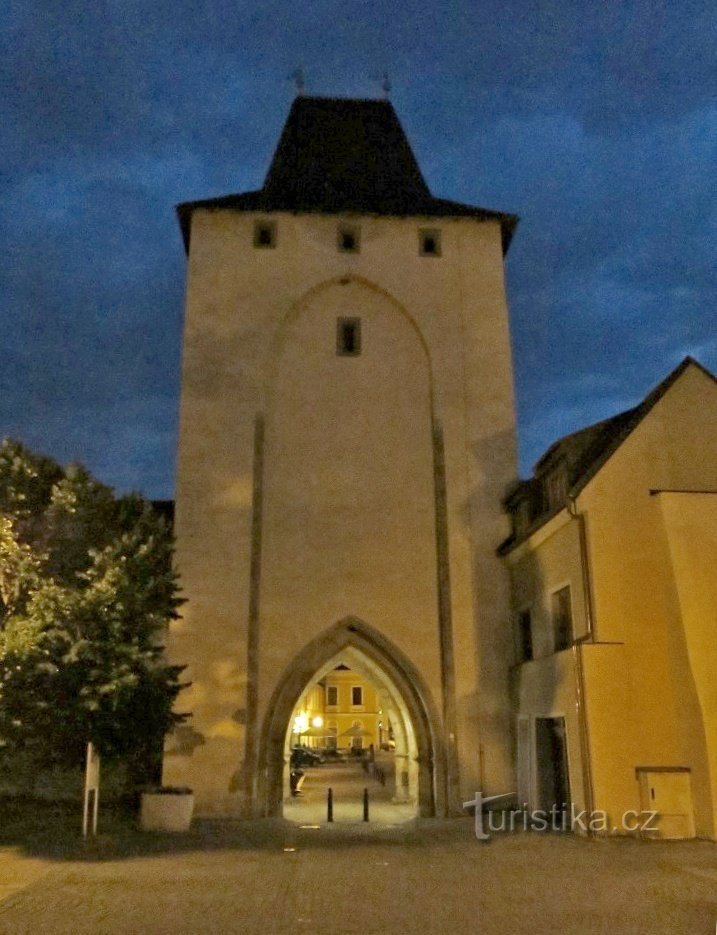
(166, 811)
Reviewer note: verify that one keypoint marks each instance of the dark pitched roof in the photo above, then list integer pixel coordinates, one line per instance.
(584, 452)
(582, 449)
(339, 156)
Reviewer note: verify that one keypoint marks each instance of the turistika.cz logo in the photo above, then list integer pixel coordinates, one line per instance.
(564, 818)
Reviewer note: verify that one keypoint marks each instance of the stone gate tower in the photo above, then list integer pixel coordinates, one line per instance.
(347, 433)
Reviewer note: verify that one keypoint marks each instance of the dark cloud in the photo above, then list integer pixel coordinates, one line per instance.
(595, 123)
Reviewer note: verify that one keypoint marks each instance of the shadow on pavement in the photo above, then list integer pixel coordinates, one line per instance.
(53, 831)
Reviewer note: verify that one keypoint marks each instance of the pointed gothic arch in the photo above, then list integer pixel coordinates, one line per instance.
(304, 304)
(374, 655)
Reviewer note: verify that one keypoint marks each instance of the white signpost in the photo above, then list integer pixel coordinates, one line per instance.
(92, 790)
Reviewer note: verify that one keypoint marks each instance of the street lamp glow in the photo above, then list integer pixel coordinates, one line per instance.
(301, 722)
(318, 721)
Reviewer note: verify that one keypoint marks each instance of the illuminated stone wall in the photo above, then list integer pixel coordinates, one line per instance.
(310, 485)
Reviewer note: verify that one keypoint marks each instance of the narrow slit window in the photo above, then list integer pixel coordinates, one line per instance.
(525, 636)
(348, 337)
(429, 242)
(562, 618)
(265, 234)
(348, 238)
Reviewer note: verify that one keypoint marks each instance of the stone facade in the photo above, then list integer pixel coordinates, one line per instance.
(347, 432)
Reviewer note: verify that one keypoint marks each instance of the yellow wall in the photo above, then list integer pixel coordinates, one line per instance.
(649, 696)
(547, 686)
(609, 705)
(546, 689)
(690, 521)
(633, 580)
(547, 562)
(344, 714)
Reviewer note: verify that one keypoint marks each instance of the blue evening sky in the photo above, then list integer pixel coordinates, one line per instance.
(595, 122)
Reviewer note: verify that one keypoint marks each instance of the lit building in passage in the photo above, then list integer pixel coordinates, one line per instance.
(612, 561)
(343, 712)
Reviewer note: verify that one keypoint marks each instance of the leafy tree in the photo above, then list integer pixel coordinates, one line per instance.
(86, 591)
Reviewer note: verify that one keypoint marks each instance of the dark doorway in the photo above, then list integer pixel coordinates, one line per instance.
(552, 763)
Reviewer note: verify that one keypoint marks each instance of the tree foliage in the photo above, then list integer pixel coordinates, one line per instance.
(86, 591)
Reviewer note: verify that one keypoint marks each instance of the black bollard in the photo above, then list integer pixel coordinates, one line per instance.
(330, 805)
(365, 804)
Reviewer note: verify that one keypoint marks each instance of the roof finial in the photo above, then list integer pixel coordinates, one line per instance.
(299, 79)
(386, 85)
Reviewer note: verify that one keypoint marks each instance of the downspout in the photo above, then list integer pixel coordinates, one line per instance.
(585, 569)
(587, 637)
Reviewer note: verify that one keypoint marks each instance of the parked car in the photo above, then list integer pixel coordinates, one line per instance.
(301, 756)
(333, 755)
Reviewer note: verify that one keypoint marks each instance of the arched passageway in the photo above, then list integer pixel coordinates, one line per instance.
(410, 756)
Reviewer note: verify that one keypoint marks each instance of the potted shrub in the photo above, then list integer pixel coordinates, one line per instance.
(166, 808)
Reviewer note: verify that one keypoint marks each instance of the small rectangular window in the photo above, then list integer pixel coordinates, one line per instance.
(561, 614)
(356, 695)
(332, 695)
(265, 234)
(348, 337)
(349, 238)
(525, 635)
(429, 242)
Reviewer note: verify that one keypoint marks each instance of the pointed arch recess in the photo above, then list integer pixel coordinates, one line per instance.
(352, 634)
(303, 303)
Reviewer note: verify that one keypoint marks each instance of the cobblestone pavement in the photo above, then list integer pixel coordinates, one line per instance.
(424, 876)
(347, 780)
(18, 871)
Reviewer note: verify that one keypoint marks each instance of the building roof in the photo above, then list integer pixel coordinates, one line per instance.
(587, 450)
(341, 156)
(584, 452)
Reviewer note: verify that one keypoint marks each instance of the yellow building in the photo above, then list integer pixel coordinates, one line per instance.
(346, 433)
(613, 561)
(342, 712)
